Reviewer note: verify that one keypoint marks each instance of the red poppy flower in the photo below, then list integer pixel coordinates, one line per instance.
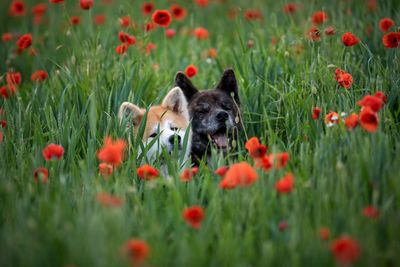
(112, 151)
(75, 20)
(221, 171)
(285, 184)
(391, 40)
(315, 113)
(324, 233)
(255, 148)
(178, 12)
(265, 162)
(349, 39)
(385, 24)
(201, 3)
(374, 102)
(53, 151)
(319, 17)
(39, 75)
(351, 121)
(344, 79)
(188, 174)
(146, 172)
(369, 119)
(162, 18)
(193, 216)
(239, 174)
(99, 19)
(330, 31)
(201, 33)
(372, 5)
(282, 226)
(17, 8)
(345, 249)
(105, 169)
(150, 47)
(6, 37)
(290, 8)
(24, 41)
(121, 49)
(39, 9)
(125, 21)
(371, 212)
(147, 8)
(41, 174)
(169, 33)
(109, 201)
(331, 118)
(137, 251)
(3, 123)
(381, 95)
(13, 78)
(280, 159)
(1, 136)
(252, 14)
(126, 38)
(8, 90)
(314, 34)
(56, 1)
(191, 71)
(86, 4)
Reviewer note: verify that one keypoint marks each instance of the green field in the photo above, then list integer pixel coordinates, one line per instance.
(282, 76)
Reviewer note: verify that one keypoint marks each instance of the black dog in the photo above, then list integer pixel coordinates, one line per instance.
(215, 114)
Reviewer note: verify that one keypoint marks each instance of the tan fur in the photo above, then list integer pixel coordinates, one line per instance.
(159, 114)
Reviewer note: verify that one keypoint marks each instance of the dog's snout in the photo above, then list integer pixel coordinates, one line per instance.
(171, 139)
(222, 116)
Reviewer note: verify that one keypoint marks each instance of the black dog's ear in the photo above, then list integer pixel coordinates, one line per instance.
(228, 84)
(186, 85)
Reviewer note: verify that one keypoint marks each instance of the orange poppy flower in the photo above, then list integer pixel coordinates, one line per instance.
(193, 216)
(53, 151)
(146, 172)
(137, 251)
(188, 174)
(239, 174)
(285, 184)
(109, 201)
(374, 102)
(201, 33)
(351, 121)
(345, 250)
(255, 148)
(112, 151)
(369, 119)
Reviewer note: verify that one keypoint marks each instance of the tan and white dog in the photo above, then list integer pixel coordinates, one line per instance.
(167, 122)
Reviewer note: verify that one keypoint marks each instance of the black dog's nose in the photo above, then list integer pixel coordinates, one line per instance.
(171, 139)
(222, 116)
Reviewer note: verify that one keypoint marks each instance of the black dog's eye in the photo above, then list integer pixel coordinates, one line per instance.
(175, 129)
(225, 106)
(153, 135)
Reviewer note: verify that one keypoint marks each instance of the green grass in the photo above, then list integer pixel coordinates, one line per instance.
(337, 172)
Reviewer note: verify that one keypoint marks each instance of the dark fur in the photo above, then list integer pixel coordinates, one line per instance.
(212, 112)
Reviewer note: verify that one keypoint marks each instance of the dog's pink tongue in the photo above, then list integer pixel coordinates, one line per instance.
(221, 141)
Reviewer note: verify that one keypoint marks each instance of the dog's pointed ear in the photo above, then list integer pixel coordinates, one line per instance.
(183, 82)
(175, 101)
(131, 113)
(228, 84)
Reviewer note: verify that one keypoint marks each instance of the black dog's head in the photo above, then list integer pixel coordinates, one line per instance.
(214, 113)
